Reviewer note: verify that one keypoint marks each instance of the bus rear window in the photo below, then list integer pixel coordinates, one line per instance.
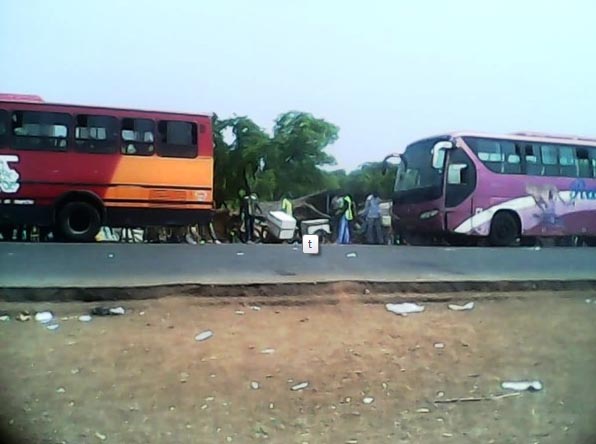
(34, 130)
(177, 139)
(4, 119)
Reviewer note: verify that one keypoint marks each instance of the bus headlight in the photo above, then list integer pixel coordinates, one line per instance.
(428, 214)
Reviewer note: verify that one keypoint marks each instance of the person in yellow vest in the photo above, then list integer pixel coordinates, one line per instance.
(286, 205)
(346, 218)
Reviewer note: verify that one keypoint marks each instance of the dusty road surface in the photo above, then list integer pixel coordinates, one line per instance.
(373, 377)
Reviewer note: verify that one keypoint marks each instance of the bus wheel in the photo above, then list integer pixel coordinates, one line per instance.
(78, 222)
(504, 230)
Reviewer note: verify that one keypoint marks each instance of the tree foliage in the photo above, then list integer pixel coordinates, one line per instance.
(288, 162)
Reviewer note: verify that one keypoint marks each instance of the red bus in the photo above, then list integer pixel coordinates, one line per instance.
(463, 187)
(75, 168)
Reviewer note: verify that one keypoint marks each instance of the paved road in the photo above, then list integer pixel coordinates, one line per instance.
(133, 265)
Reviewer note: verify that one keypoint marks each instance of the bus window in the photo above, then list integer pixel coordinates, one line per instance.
(33, 130)
(177, 139)
(583, 162)
(495, 154)
(137, 137)
(96, 134)
(4, 119)
(549, 160)
(532, 160)
(568, 162)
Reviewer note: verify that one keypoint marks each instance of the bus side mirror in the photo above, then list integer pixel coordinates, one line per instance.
(455, 173)
(391, 160)
(439, 149)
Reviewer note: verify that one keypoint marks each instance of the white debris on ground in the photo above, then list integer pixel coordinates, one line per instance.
(368, 400)
(455, 307)
(254, 385)
(239, 312)
(439, 345)
(522, 386)
(351, 255)
(405, 308)
(203, 336)
(423, 410)
(85, 318)
(255, 308)
(268, 351)
(240, 253)
(300, 386)
(52, 326)
(44, 316)
(117, 311)
(4, 318)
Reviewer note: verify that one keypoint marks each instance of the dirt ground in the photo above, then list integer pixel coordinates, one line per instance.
(143, 378)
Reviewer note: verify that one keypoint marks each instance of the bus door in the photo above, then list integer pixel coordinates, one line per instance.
(460, 183)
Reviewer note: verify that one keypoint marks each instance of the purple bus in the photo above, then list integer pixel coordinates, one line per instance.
(463, 187)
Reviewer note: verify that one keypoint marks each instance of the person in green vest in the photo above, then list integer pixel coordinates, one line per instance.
(286, 205)
(346, 218)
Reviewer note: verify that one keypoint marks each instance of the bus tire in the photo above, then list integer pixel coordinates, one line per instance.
(504, 229)
(78, 222)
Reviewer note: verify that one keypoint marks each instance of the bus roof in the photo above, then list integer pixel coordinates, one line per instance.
(28, 99)
(525, 136)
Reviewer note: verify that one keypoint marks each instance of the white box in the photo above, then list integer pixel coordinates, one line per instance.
(314, 225)
(281, 220)
(310, 244)
(281, 233)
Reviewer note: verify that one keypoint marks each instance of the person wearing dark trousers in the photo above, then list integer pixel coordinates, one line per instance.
(372, 212)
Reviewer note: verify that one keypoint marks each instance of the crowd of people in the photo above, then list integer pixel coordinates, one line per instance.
(370, 225)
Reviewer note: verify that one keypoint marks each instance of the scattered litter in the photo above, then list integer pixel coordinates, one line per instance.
(440, 394)
(447, 435)
(24, 316)
(405, 308)
(366, 291)
(4, 318)
(475, 399)
(254, 385)
(85, 318)
(239, 312)
(522, 386)
(423, 410)
(537, 248)
(352, 254)
(111, 255)
(255, 308)
(271, 406)
(439, 345)
(52, 326)
(60, 390)
(455, 307)
(44, 316)
(141, 313)
(203, 336)
(368, 400)
(75, 371)
(240, 253)
(352, 441)
(172, 408)
(107, 311)
(100, 436)
(299, 386)
(184, 377)
(228, 439)
(268, 351)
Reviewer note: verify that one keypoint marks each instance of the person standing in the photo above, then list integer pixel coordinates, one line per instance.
(372, 213)
(346, 217)
(248, 210)
(286, 206)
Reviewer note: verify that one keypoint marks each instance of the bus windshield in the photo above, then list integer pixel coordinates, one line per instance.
(416, 171)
